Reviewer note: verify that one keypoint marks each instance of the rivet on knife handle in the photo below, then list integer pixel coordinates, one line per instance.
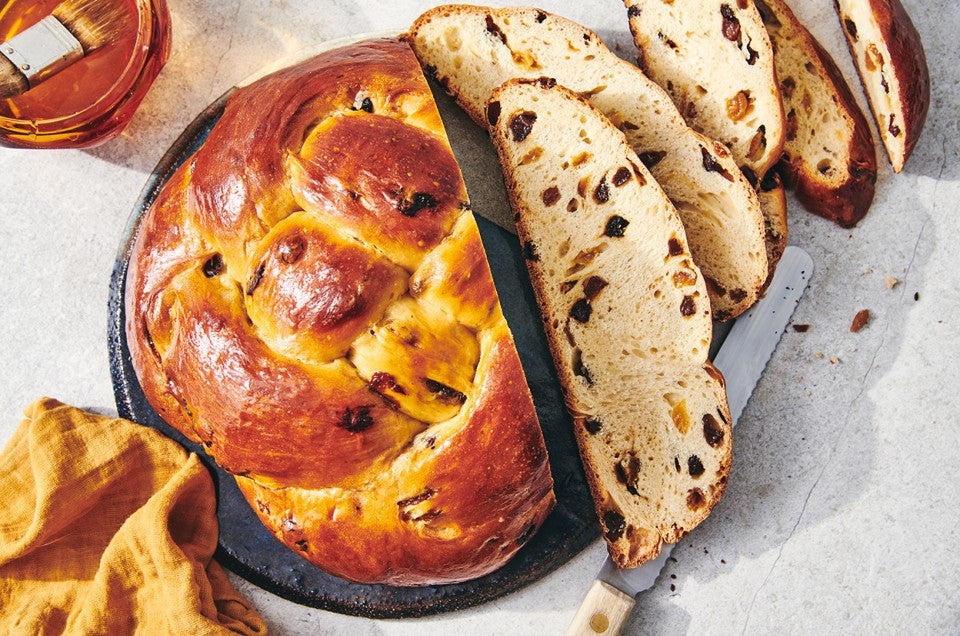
(604, 611)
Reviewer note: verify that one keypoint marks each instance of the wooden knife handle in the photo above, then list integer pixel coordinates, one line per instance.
(604, 611)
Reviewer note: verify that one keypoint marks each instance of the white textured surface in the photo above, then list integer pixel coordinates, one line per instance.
(841, 513)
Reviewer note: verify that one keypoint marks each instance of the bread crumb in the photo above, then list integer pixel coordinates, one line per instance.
(892, 281)
(820, 354)
(834, 360)
(860, 320)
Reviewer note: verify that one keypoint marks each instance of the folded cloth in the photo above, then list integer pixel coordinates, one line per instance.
(108, 527)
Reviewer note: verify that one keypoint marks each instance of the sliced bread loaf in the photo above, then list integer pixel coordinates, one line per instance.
(470, 50)
(714, 58)
(828, 152)
(626, 314)
(889, 57)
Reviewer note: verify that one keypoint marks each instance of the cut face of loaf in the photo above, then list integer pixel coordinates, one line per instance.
(889, 57)
(715, 60)
(626, 315)
(309, 299)
(828, 151)
(471, 50)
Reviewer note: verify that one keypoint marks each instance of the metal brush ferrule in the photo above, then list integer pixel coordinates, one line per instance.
(42, 50)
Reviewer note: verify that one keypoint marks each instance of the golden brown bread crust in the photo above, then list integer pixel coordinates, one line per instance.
(843, 189)
(309, 298)
(848, 204)
(910, 72)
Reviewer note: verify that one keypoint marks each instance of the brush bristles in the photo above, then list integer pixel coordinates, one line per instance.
(12, 81)
(94, 23)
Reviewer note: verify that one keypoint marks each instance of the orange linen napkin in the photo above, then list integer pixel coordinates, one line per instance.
(108, 527)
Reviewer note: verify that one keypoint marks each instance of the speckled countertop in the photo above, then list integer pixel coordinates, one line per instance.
(841, 512)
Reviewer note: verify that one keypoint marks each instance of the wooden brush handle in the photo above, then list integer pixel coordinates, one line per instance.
(12, 81)
(604, 611)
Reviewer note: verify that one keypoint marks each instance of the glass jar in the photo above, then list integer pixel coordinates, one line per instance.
(93, 99)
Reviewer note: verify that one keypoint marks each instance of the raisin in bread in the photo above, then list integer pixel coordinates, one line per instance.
(309, 299)
(828, 152)
(626, 314)
(470, 50)
(715, 59)
(892, 65)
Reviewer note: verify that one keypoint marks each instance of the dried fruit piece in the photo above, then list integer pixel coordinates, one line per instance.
(616, 225)
(356, 420)
(893, 128)
(627, 470)
(621, 176)
(652, 157)
(593, 425)
(444, 393)
(581, 310)
(254, 281)
(710, 164)
(712, 431)
(873, 59)
(860, 320)
(739, 105)
(522, 124)
(680, 417)
(758, 144)
(730, 25)
(593, 286)
(613, 524)
(494, 29)
(213, 266)
(420, 201)
(601, 193)
(851, 28)
(674, 246)
(291, 250)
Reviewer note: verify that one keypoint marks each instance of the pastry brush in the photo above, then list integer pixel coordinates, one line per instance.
(73, 30)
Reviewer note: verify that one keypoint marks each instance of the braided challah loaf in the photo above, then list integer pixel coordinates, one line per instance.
(309, 298)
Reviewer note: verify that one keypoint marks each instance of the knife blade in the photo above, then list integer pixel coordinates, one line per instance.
(742, 357)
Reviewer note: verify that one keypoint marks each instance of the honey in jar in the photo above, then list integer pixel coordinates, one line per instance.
(91, 100)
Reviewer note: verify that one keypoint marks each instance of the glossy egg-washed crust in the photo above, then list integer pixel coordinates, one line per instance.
(309, 299)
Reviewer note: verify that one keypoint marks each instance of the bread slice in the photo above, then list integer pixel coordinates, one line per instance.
(715, 59)
(892, 65)
(828, 152)
(626, 316)
(470, 50)
(773, 201)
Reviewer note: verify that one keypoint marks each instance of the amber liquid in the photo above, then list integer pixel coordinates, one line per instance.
(94, 98)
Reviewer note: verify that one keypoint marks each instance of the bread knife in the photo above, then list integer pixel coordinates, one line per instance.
(742, 357)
